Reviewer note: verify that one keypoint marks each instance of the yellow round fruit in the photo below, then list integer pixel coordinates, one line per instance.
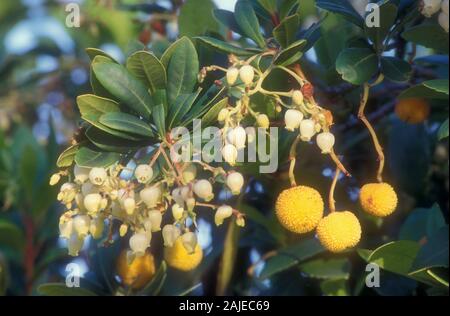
(413, 110)
(339, 231)
(178, 257)
(139, 272)
(299, 209)
(378, 199)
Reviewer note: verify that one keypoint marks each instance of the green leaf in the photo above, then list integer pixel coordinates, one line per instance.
(109, 142)
(443, 130)
(396, 257)
(211, 116)
(196, 18)
(167, 55)
(290, 54)
(94, 106)
(182, 71)
(148, 69)
(227, 19)
(430, 35)
(97, 87)
(248, 22)
(120, 83)
(224, 47)
(432, 89)
(434, 253)
(89, 158)
(357, 65)
(269, 5)
(94, 52)
(343, 8)
(228, 259)
(28, 169)
(335, 287)
(291, 256)
(126, 123)
(396, 69)
(159, 118)
(11, 235)
(338, 268)
(67, 156)
(60, 289)
(421, 223)
(377, 34)
(182, 106)
(286, 32)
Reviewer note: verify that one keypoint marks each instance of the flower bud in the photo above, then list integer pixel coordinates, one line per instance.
(74, 244)
(143, 173)
(129, 205)
(139, 242)
(155, 218)
(123, 229)
(177, 196)
(263, 121)
(235, 181)
(307, 129)
(81, 174)
(190, 204)
(92, 202)
(151, 196)
(96, 227)
(292, 119)
(189, 173)
(325, 141)
(81, 224)
(177, 211)
(230, 154)
(223, 115)
(232, 75)
(67, 193)
(65, 228)
(430, 7)
(237, 137)
(97, 176)
(247, 73)
(54, 179)
(189, 241)
(222, 213)
(240, 221)
(297, 97)
(203, 189)
(170, 233)
(443, 20)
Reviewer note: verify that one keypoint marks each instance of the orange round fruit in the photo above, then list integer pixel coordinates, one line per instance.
(139, 272)
(412, 110)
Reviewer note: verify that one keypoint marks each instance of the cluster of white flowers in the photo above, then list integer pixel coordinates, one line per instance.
(430, 7)
(309, 121)
(95, 196)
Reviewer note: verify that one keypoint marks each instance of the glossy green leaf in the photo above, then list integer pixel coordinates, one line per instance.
(159, 118)
(248, 22)
(148, 69)
(431, 89)
(428, 34)
(434, 253)
(269, 5)
(337, 268)
(181, 107)
(443, 130)
(94, 52)
(126, 123)
(290, 54)
(335, 287)
(396, 69)
(127, 89)
(377, 34)
(97, 87)
(61, 289)
(167, 55)
(67, 156)
(224, 47)
(196, 18)
(95, 106)
(286, 32)
(182, 71)
(89, 158)
(422, 223)
(343, 8)
(357, 65)
(227, 19)
(227, 261)
(112, 143)
(11, 235)
(291, 256)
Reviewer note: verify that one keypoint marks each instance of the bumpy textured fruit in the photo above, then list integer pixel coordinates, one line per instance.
(138, 273)
(299, 209)
(378, 199)
(339, 231)
(412, 110)
(178, 257)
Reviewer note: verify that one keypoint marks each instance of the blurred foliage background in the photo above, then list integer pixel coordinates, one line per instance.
(43, 67)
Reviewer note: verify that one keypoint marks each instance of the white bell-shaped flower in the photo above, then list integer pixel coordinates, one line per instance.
(230, 154)
(325, 141)
(129, 205)
(177, 211)
(74, 244)
(97, 176)
(189, 241)
(81, 224)
(189, 173)
(223, 212)
(143, 173)
(151, 196)
(155, 218)
(96, 227)
(139, 243)
(232, 75)
(292, 119)
(170, 233)
(307, 129)
(297, 97)
(92, 202)
(247, 74)
(204, 190)
(235, 181)
(237, 137)
(81, 174)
